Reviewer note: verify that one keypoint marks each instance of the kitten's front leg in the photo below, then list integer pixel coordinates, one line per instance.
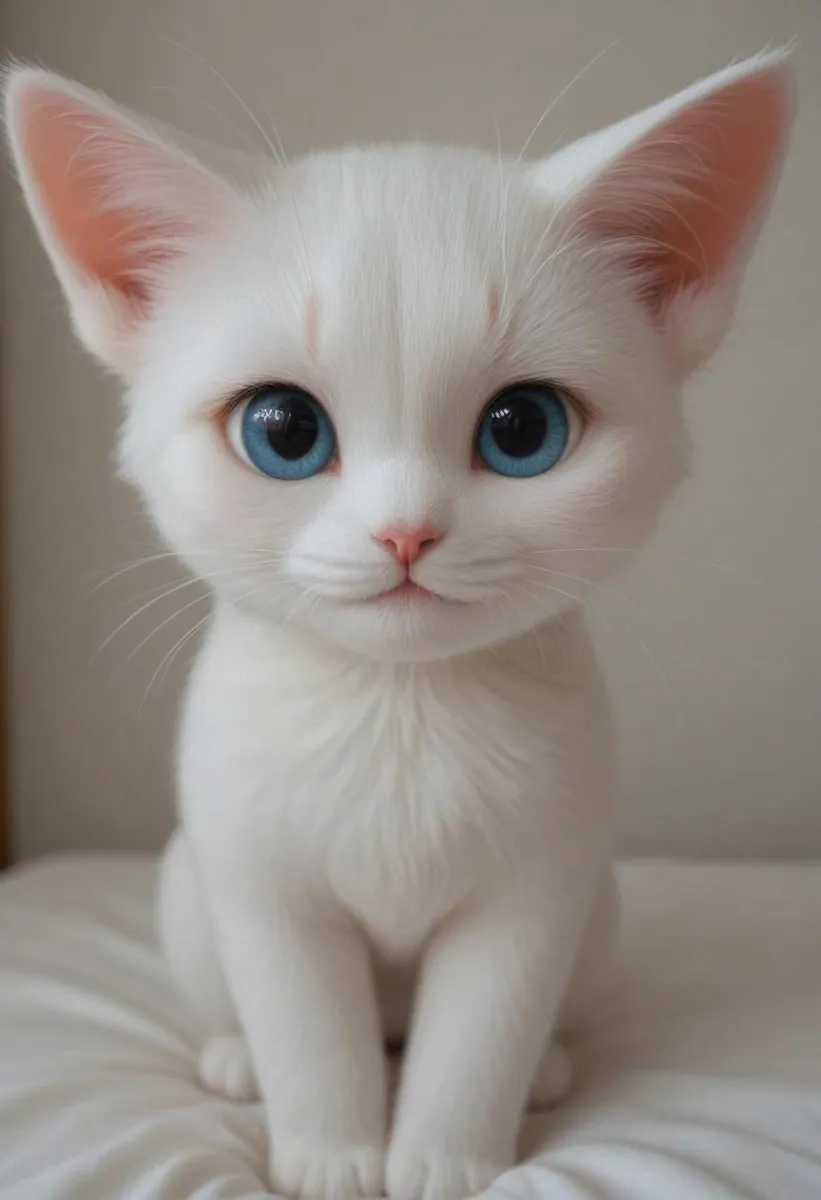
(489, 994)
(302, 985)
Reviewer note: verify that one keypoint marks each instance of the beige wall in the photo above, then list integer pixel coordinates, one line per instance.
(712, 646)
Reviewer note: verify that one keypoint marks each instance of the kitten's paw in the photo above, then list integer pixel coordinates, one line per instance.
(227, 1070)
(305, 1170)
(435, 1175)
(554, 1078)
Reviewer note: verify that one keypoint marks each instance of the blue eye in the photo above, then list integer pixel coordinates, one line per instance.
(524, 431)
(284, 433)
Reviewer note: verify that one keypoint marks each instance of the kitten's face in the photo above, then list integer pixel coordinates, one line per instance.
(418, 400)
(381, 305)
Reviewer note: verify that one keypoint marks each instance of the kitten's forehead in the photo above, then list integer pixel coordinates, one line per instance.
(409, 230)
(391, 296)
(415, 184)
(399, 257)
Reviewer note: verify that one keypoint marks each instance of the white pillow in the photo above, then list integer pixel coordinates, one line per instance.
(701, 1080)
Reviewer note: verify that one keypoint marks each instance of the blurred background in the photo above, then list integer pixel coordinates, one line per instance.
(712, 644)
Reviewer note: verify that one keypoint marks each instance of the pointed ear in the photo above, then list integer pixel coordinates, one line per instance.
(681, 190)
(114, 203)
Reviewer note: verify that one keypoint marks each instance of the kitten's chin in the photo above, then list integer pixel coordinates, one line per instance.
(410, 628)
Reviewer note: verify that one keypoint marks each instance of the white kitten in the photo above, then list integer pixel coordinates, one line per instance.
(393, 405)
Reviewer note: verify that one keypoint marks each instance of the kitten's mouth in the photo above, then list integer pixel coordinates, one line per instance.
(407, 593)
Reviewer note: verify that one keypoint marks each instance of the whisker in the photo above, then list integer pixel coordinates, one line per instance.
(557, 99)
(131, 566)
(252, 553)
(167, 620)
(200, 100)
(168, 658)
(504, 191)
(283, 157)
(259, 568)
(143, 607)
(209, 66)
(659, 552)
(597, 612)
(312, 598)
(608, 590)
(149, 560)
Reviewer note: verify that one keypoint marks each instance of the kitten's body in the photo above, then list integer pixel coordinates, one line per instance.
(403, 801)
(396, 794)
(398, 791)
(395, 754)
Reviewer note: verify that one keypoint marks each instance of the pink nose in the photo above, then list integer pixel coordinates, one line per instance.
(406, 545)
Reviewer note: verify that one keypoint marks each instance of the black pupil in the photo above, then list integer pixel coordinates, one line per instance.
(519, 425)
(291, 426)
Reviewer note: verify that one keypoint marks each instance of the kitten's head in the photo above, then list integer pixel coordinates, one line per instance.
(414, 399)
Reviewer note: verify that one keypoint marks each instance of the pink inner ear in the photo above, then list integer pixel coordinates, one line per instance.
(697, 180)
(81, 162)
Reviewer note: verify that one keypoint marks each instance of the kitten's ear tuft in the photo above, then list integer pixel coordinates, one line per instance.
(682, 189)
(114, 203)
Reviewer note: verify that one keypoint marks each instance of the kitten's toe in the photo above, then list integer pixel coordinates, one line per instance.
(435, 1175)
(227, 1070)
(554, 1078)
(312, 1170)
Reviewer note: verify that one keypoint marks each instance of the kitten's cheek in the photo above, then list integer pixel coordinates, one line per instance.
(197, 494)
(194, 515)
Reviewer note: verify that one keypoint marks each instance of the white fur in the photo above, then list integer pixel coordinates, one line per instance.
(384, 804)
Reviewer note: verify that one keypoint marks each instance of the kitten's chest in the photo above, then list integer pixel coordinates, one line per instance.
(412, 784)
(422, 815)
(398, 789)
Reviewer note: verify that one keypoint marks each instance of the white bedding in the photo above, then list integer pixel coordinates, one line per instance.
(702, 1080)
